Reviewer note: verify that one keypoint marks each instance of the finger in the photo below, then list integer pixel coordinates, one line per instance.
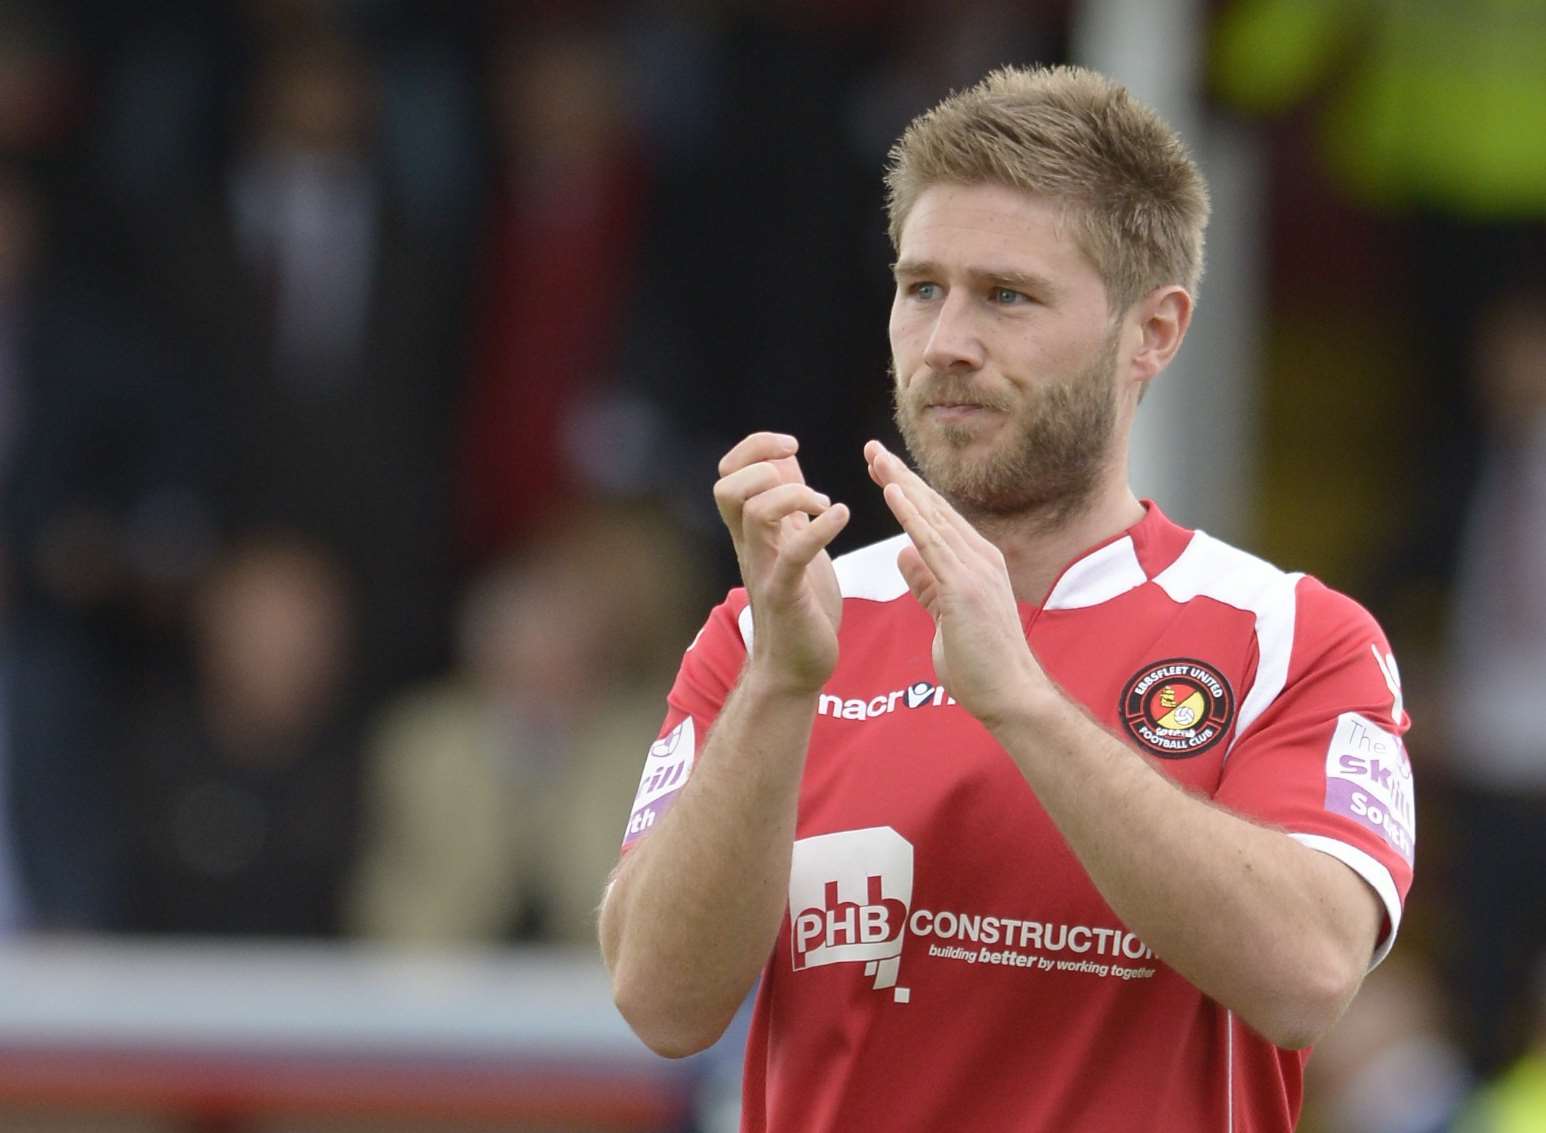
(888, 468)
(770, 508)
(732, 491)
(874, 454)
(937, 553)
(872, 451)
(803, 547)
(758, 446)
(921, 582)
(789, 471)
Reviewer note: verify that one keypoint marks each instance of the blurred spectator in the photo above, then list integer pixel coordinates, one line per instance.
(751, 278)
(497, 796)
(241, 789)
(1390, 1065)
(1493, 690)
(103, 525)
(20, 237)
(1436, 104)
(325, 339)
(39, 80)
(1515, 1101)
(765, 245)
(1425, 122)
(558, 278)
(164, 90)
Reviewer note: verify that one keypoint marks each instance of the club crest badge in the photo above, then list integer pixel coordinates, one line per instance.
(1178, 708)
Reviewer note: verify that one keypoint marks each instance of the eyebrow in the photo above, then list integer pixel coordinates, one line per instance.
(1003, 277)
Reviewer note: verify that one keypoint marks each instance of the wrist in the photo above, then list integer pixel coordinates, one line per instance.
(1030, 706)
(772, 683)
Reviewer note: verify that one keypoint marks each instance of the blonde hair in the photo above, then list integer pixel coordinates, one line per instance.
(1135, 201)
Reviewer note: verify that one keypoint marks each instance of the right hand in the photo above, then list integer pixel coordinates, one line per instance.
(781, 528)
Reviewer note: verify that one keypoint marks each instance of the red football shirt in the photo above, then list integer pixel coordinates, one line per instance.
(945, 962)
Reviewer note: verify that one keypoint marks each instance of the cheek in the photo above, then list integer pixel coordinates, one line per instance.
(1058, 353)
(905, 344)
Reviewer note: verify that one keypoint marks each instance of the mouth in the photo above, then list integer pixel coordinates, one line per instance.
(957, 410)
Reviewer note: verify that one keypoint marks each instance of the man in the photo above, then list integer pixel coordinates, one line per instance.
(1046, 814)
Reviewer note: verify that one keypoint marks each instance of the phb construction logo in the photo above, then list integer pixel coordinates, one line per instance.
(849, 894)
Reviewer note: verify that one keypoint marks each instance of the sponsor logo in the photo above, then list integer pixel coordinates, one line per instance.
(1042, 936)
(919, 694)
(849, 894)
(850, 897)
(1091, 950)
(1369, 779)
(665, 773)
(1178, 708)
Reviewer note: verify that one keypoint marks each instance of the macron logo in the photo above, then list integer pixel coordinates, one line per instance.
(919, 694)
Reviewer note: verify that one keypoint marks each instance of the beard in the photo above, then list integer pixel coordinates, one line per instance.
(1044, 461)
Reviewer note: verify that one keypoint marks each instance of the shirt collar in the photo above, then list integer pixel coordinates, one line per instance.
(1122, 563)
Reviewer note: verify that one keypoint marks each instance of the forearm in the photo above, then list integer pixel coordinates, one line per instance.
(1268, 927)
(694, 910)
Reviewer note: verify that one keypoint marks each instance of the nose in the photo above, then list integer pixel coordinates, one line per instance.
(954, 341)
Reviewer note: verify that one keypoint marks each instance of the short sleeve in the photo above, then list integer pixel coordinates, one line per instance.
(709, 670)
(1326, 761)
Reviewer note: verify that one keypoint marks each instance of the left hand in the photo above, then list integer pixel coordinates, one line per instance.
(980, 652)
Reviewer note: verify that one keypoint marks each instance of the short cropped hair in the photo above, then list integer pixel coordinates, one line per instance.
(1135, 201)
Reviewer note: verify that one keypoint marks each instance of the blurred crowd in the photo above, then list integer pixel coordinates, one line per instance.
(364, 365)
(362, 368)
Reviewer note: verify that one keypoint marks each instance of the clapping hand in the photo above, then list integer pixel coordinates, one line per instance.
(980, 652)
(781, 527)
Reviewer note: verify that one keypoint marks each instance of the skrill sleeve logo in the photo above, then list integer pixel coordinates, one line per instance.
(1369, 779)
(849, 894)
(665, 772)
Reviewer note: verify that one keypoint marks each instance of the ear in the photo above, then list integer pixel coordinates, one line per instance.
(1161, 317)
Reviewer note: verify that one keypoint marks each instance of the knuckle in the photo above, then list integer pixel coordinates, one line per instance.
(759, 509)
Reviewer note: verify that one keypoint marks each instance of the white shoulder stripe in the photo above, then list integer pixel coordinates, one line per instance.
(1099, 577)
(1370, 869)
(1211, 569)
(871, 572)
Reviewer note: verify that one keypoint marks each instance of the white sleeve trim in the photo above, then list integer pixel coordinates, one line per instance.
(743, 622)
(1370, 869)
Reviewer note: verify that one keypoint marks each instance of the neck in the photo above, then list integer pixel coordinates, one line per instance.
(1037, 546)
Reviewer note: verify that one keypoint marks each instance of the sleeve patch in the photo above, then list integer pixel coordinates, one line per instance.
(1369, 780)
(665, 772)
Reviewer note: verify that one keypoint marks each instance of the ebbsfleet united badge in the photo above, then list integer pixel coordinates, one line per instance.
(1177, 708)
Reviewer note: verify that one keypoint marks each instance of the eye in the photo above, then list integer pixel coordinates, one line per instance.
(924, 291)
(1008, 296)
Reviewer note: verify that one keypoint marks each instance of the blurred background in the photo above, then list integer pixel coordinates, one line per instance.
(364, 365)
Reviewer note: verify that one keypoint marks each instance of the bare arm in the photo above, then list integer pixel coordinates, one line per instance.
(1271, 928)
(1276, 931)
(692, 912)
